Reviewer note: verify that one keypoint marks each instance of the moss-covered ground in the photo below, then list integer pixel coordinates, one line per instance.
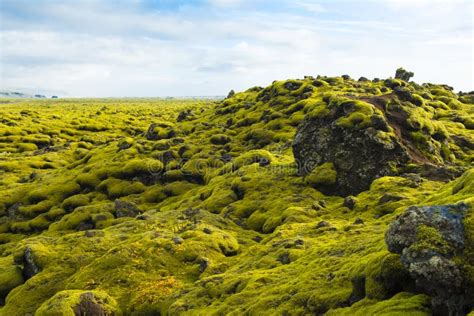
(224, 224)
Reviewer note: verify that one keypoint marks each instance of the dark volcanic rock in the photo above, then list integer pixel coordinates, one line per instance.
(89, 304)
(447, 219)
(158, 131)
(428, 238)
(359, 156)
(126, 209)
(402, 74)
(350, 202)
(183, 115)
(30, 267)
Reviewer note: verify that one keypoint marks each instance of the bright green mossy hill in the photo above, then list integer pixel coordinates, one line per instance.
(205, 213)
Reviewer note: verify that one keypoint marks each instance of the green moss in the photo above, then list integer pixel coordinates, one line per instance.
(74, 201)
(355, 119)
(219, 199)
(428, 238)
(22, 147)
(324, 174)
(385, 275)
(33, 210)
(399, 305)
(87, 180)
(116, 188)
(256, 221)
(259, 138)
(10, 276)
(253, 156)
(220, 139)
(84, 217)
(271, 223)
(58, 191)
(139, 167)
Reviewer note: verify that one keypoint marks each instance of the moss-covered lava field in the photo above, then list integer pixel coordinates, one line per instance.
(322, 195)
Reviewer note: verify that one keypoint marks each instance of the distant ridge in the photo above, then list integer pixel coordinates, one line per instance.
(16, 94)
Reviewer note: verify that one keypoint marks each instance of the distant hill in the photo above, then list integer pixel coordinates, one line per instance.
(17, 94)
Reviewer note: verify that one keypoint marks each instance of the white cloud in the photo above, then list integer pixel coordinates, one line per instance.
(310, 6)
(225, 3)
(96, 50)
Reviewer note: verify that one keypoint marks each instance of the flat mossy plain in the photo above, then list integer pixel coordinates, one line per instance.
(227, 225)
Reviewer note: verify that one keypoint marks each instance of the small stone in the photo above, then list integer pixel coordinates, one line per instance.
(358, 221)
(124, 144)
(322, 224)
(350, 202)
(203, 264)
(13, 210)
(89, 233)
(284, 258)
(387, 197)
(177, 240)
(142, 217)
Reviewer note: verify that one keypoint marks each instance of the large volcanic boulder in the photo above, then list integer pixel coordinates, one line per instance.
(351, 141)
(431, 241)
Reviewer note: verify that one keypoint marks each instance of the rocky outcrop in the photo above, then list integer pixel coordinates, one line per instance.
(404, 75)
(354, 140)
(428, 239)
(30, 267)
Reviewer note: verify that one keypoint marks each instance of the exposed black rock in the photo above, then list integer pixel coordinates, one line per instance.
(126, 209)
(404, 75)
(30, 267)
(89, 304)
(428, 238)
(350, 202)
(358, 155)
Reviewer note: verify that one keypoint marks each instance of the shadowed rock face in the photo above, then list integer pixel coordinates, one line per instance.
(359, 155)
(428, 238)
(30, 268)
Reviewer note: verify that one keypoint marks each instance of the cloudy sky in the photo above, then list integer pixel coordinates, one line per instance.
(207, 47)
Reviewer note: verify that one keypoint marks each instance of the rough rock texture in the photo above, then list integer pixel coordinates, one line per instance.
(91, 305)
(359, 155)
(126, 209)
(402, 74)
(447, 219)
(30, 268)
(428, 239)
